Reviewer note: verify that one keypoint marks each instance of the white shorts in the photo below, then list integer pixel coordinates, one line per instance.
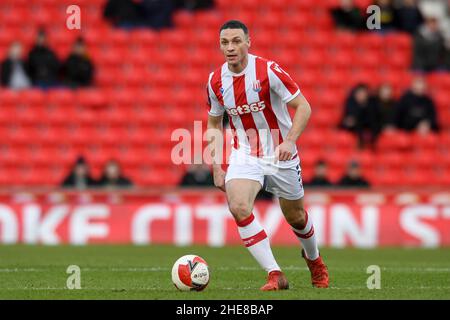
(283, 181)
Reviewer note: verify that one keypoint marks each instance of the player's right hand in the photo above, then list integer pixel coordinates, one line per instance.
(219, 178)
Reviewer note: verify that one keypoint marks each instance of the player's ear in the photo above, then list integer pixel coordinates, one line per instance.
(249, 42)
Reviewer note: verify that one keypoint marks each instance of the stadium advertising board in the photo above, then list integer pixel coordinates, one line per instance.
(342, 219)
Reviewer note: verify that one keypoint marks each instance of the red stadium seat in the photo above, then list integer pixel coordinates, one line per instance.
(394, 140)
(425, 142)
(371, 42)
(143, 38)
(417, 178)
(90, 98)
(60, 98)
(440, 80)
(424, 159)
(365, 158)
(183, 19)
(149, 83)
(443, 179)
(33, 98)
(208, 19)
(385, 178)
(395, 42)
(391, 160)
(442, 99)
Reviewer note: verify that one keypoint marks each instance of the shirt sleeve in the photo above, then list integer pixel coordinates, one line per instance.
(214, 107)
(281, 83)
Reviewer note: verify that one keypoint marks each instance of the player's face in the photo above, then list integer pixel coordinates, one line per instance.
(234, 45)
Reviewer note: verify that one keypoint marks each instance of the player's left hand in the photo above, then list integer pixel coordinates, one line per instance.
(285, 151)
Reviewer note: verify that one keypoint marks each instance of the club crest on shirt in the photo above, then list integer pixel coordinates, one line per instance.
(256, 86)
(221, 90)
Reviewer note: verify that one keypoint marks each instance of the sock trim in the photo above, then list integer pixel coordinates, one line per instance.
(307, 235)
(251, 241)
(246, 221)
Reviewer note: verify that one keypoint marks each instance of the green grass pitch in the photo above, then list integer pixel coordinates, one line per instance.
(143, 272)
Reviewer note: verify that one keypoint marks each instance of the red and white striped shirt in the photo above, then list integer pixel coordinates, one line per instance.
(255, 99)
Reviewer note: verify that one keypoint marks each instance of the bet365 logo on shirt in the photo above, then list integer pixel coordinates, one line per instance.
(246, 108)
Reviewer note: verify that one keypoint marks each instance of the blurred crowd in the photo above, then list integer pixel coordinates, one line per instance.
(428, 23)
(80, 177)
(156, 14)
(42, 68)
(352, 177)
(368, 113)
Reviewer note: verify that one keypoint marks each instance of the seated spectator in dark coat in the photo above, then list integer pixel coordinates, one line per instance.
(320, 176)
(79, 177)
(408, 16)
(123, 13)
(78, 69)
(198, 175)
(428, 48)
(157, 14)
(387, 14)
(386, 104)
(14, 73)
(347, 16)
(43, 65)
(353, 177)
(112, 176)
(194, 4)
(361, 115)
(447, 55)
(416, 110)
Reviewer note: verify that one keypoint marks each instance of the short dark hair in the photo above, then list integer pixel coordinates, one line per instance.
(234, 24)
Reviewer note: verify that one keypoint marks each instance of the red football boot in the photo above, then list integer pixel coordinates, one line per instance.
(319, 271)
(275, 281)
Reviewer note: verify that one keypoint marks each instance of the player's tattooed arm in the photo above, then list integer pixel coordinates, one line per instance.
(299, 122)
(214, 136)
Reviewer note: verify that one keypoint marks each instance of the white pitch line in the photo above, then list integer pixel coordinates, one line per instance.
(23, 270)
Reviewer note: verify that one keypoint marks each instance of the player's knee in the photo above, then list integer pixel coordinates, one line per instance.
(298, 219)
(240, 210)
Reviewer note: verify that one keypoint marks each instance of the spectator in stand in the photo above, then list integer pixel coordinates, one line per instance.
(112, 176)
(78, 69)
(197, 175)
(408, 16)
(347, 16)
(387, 14)
(353, 177)
(42, 63)
(158, 13)
(194, 4)
(79, 177)
(361, 115)
(320, 175)
(385, 104)
(447, 55)
(123, 13)
(416, 109)
(428, 48)
(14, 73)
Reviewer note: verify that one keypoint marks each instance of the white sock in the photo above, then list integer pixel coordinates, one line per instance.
(308, 239)
(257, 242)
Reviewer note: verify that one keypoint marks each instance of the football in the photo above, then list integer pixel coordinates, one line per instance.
(190, 273)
